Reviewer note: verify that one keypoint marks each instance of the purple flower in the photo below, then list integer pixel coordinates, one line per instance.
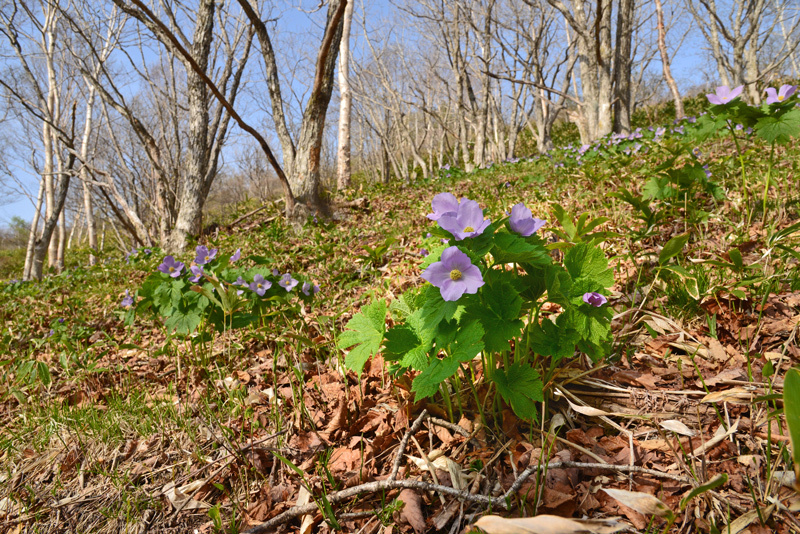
(724, 94)
(276, 272)
(523, 222)
(171, 267)
(443, 203)
(595, 299)
(260, 285)
(287, 282)
(236, 255)
(127, 300)
(204, 255)
(782, 94)
(707, 171)
(309, 289)
(660, 131)
(423, 252)
(454, 275)
(468, 221)
(197, 272)
(239, 282)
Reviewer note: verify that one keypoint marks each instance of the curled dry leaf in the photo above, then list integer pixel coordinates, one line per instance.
(644, 503)
(547, 524)
(412, 510)
(180, 498)
(676, 426)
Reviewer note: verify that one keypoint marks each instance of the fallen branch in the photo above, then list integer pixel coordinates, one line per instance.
(464, 495)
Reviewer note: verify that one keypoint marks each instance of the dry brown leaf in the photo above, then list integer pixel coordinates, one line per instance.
(412, 510)
(644, 503)
(547, 524)
(737, 395)
(676, 426)
(744, 521)
(304, 497)
(180, 498)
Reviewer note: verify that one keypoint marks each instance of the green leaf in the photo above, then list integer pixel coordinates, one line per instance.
(521, 387)
(589, 262)
(791, 409)
(410, 343)
(551, 339)
(183, 322)
(499, 313)
(688, 279)
(715, 482)
(511, 248)
(466, 345)
(365, 330)
(779, 129)
(672, 248)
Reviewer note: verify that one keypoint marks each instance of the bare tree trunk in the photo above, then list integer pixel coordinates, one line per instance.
(41, 246)
(88, 207)
(345, 104)
(622, 67)
(26, 272)
(191, 199)
(665, 63)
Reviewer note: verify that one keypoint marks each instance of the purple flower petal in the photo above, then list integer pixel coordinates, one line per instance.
(594, 299)
(259, 285)
(287, 282)
(443, 203)
(236, 255)
(197, 271)
(171, 267)
(468, 221)
(454, 275)
(204, 255)
(523, 222)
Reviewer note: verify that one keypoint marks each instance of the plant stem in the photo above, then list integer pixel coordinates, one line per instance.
(744, 172)
(767, 180)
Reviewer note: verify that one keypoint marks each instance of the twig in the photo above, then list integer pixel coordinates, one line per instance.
(450, 426)
(501, 501)
(404, 443)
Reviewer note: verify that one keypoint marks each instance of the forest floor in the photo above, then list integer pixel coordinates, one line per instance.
(112, 428)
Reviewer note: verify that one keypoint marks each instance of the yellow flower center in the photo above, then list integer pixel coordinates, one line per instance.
(780, 98)
(206, 258)
(469, 229)
(455, 274)
(172, 269)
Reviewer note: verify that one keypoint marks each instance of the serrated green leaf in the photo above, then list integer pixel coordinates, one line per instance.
(410, 343)
(511, 248)
(364, 331)
(779, 128)
(672, 248)
(549, 339)
(521, 387)
(183, 322)
(466, 345)
(588, 262)
(499, 313)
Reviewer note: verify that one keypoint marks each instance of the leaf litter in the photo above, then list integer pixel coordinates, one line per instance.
(686, 398)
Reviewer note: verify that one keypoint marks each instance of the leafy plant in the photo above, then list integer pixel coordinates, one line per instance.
(485, 300)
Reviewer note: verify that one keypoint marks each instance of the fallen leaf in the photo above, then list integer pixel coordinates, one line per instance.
(744, 521)
(412, 510)
(676, 426)
(180, 498)
(644, 503)
(304, 497)
(547, 524)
